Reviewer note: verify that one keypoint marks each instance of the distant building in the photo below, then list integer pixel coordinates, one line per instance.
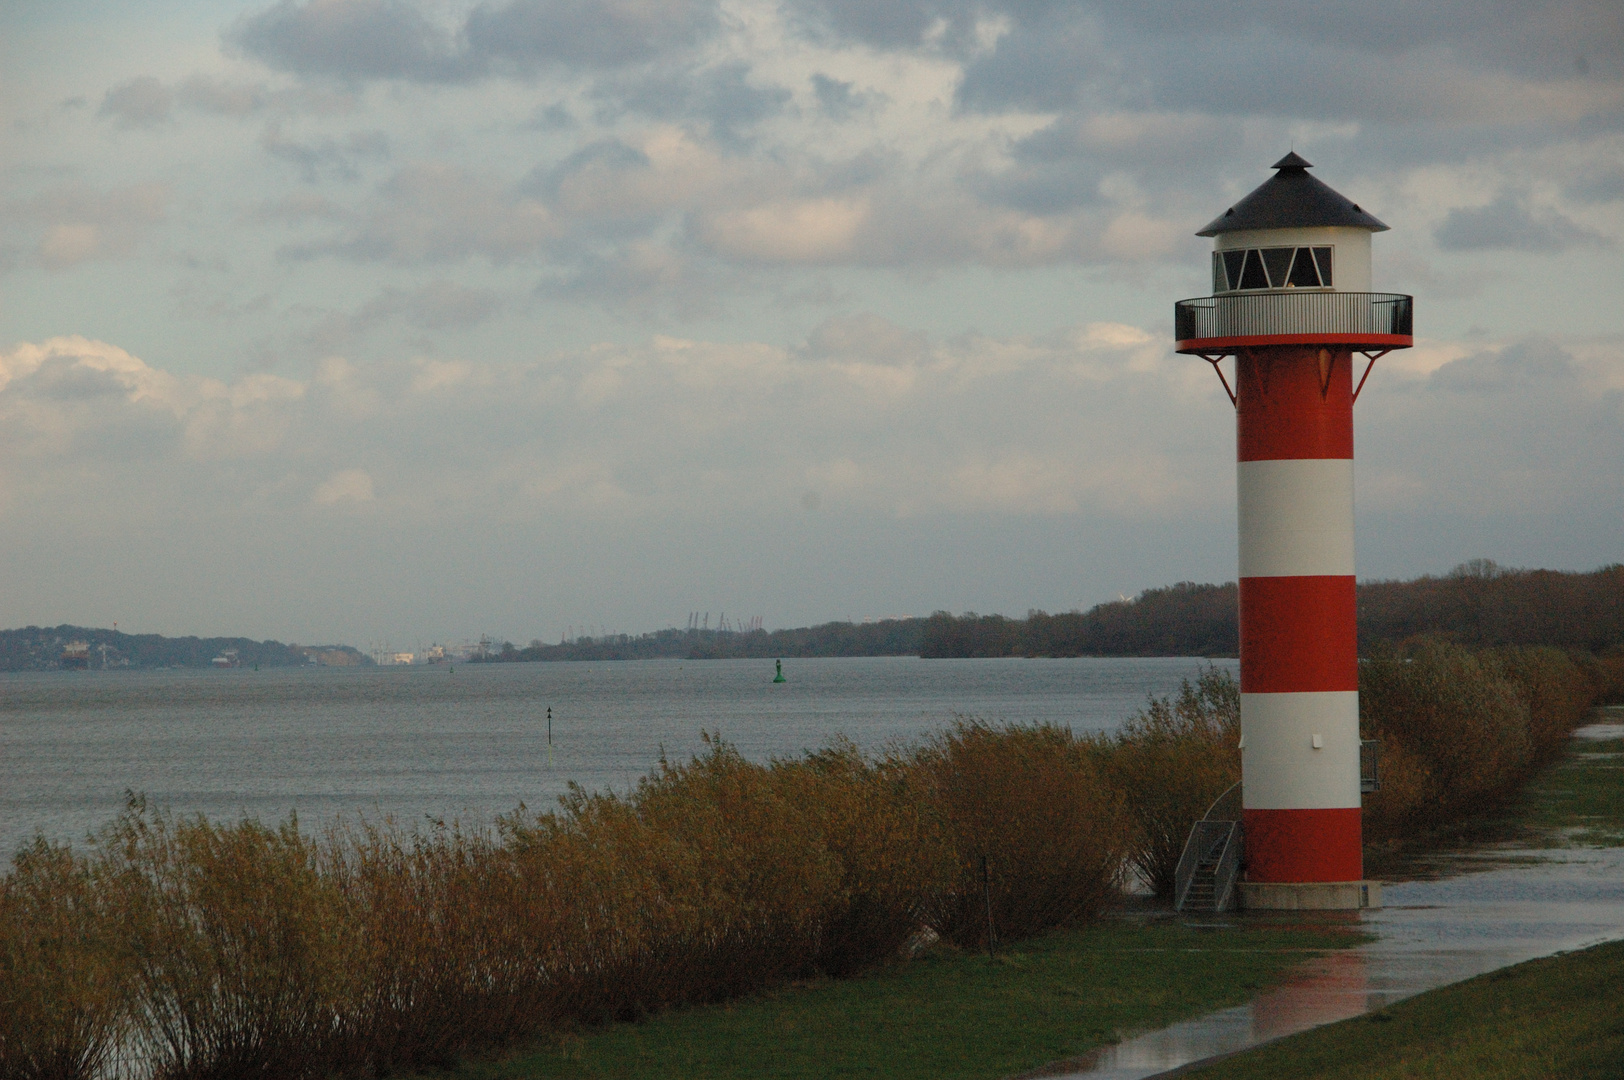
(75, 656)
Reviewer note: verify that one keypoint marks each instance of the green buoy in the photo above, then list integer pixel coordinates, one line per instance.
(780, 676)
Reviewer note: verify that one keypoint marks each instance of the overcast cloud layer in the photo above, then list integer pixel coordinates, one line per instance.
(387, 320)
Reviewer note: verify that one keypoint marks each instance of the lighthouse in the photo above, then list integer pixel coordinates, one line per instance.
(1292, 304)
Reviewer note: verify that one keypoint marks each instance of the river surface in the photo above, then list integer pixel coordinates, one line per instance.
(472, 741)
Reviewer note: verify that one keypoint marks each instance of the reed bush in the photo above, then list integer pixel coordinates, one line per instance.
(892, 855)
(1029, 800)
(60, 1014)
(229, 945)
(1168, 763)
(437, 962)
(1462, 729)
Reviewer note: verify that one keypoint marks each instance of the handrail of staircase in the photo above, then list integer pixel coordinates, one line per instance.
(1226, 807)
(1229, 803)
(1229, 867)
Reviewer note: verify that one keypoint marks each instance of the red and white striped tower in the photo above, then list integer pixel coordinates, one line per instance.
(1292, 303)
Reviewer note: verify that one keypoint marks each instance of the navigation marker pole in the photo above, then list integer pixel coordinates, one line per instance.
(549, 734)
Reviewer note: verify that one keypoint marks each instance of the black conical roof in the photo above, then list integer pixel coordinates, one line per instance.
(1291, 199)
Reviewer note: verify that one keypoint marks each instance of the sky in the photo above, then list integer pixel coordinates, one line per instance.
(400, 321)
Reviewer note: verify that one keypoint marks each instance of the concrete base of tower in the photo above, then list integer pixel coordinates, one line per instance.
(1310, 895)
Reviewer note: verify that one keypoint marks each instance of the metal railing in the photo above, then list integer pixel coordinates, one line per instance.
(1370, 765)
(1228, 870)
(1294, 312)
(1205, 845)
(1216, 838)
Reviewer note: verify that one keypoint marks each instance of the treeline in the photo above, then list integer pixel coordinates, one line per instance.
(1478, 604)
(35, 648)
(885, 637)
(1481, 604)
(174, 948)
(1181, 620)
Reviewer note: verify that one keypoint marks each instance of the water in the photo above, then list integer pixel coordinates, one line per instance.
(473, 742)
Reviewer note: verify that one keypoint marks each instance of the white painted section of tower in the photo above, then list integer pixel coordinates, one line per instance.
(1350, 260)
(1283, 770)
(1296, 517)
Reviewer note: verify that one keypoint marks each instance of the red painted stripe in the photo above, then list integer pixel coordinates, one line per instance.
(1228, 344)
(1298, 635)
(1303, 845)
(1281, 410)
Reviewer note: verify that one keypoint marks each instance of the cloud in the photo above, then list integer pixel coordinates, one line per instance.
(74, 225)
(902, 24)
(347, 485)
(722, 97)
(924, 456)
(141, 102)
(72, 402)
(839, 99)
(1511, 224)
(1513, 429)
(315, 158)
(436, 305)
(223, 98)
(355, 40)
(352, 40)
(530, 34)
(815, 230)
(440, 213)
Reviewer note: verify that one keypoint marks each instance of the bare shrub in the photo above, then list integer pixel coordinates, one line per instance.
(1168, 763)
(230, 944)
(891, 854)
(59, 1009)
(1030, 800)
(1461, 729)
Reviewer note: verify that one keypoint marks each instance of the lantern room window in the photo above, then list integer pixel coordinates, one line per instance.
(1248, 269)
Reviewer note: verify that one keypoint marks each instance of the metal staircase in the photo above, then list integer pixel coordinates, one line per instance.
(1211, 863)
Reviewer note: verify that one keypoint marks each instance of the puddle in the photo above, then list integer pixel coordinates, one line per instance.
(1495, 908)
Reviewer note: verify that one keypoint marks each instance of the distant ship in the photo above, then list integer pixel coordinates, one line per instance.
(227, 659)
(75, 656)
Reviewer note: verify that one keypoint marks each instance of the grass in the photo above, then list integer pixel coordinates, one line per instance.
(946, 1014)
(1560, 1016)
(1580, 800)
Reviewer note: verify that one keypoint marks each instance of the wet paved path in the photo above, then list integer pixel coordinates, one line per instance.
(1496, 908)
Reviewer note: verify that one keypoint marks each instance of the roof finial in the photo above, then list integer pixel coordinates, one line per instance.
(1292, 160)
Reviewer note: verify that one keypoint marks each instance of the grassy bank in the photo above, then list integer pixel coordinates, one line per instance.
(951, 1014)
(946, 1014)
(1561, 1016)
(1579, 801)
(1557, 1016)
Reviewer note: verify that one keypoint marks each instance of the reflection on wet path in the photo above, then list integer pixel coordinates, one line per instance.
(1430, 934)
(1490, 909)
